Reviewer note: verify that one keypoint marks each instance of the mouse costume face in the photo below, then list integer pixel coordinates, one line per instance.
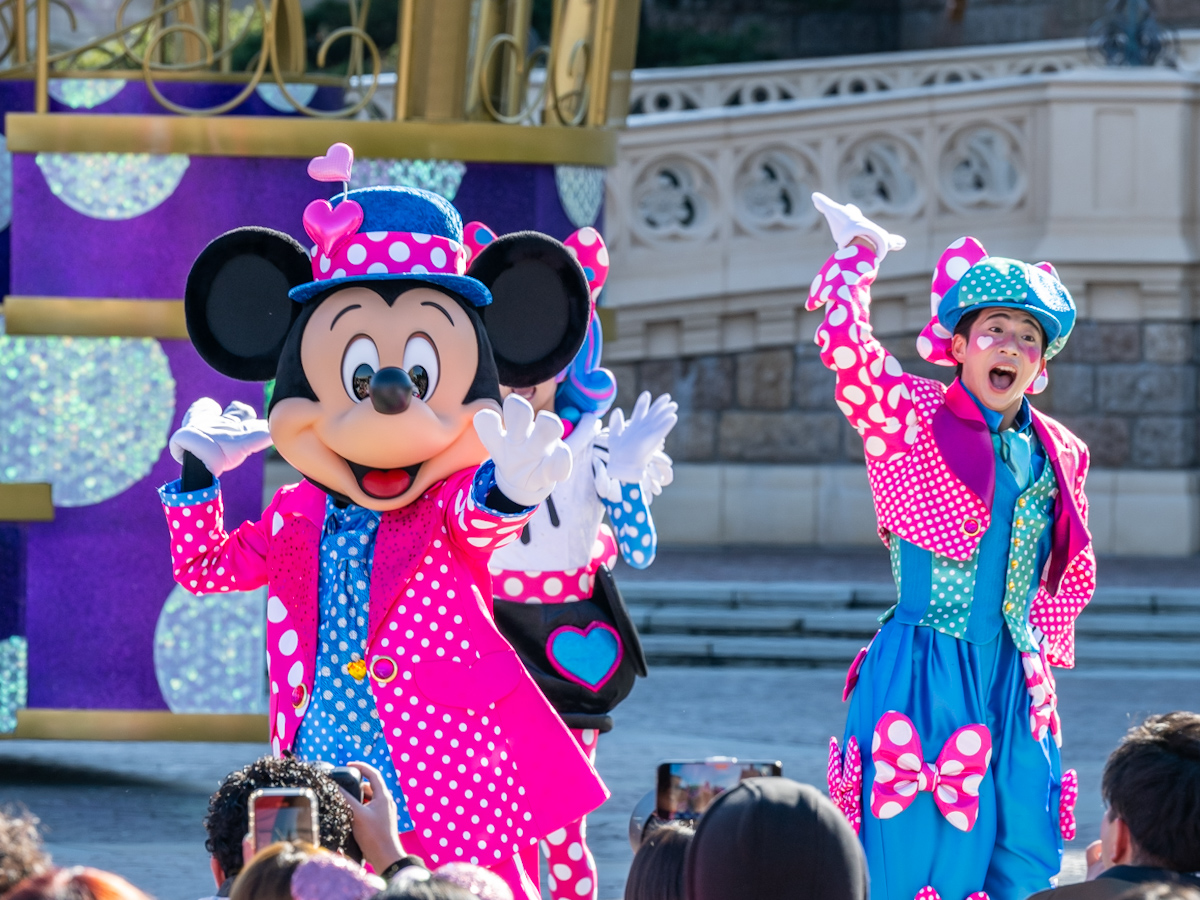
(382, 345)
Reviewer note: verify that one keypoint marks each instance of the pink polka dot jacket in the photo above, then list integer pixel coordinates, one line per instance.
(929, 455)
(486, 765)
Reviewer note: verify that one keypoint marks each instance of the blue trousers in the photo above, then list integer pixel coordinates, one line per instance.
(943, 683)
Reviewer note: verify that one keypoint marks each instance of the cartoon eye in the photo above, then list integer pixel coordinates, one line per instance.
(421, 362)
(359, 363)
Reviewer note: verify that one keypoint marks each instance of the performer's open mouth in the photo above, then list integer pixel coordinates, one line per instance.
(1002, 377)
(384, 484)
(526, 393)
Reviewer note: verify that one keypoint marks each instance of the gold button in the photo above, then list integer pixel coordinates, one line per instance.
(1008, 607)
(970, 526)
(1021, 503)
(1012, 585)
(1013, 563)
(1020, 523)
(384, 669)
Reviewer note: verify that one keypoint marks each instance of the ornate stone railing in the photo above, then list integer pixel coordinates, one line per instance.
(748, 84)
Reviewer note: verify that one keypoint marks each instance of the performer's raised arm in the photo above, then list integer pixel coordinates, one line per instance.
(873, 391)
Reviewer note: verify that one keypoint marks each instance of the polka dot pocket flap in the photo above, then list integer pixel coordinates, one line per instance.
(466, 685)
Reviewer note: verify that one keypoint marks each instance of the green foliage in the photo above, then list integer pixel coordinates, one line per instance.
(329, 15)
(690, 47)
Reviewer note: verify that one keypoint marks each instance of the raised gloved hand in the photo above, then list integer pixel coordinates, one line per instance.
(633, 444)
(529, 454)
(848, 222)
(220, 439)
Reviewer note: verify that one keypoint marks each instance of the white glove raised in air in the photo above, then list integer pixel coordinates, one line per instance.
(220, 439)
(632, 444)
(848, 222)
(529, 454)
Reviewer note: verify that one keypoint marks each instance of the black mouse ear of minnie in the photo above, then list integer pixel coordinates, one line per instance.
(236, 302)
(540, 308)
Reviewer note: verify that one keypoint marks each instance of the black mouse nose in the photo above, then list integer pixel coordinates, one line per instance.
(391, 391)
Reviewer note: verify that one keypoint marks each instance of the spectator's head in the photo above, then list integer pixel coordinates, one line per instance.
(299, 871)
(423, 886)
(1152, 788)
(772, 837)
(76, 883)
(228, 817)
(475, 880)
(1155, 890)
(657, 869)
(21, 850)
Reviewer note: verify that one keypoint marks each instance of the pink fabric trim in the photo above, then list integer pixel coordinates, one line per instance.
(928, 893)
(845, 781)
(852, 674)
(1068, 794)
(557, 587)
(387, 253)
(901, 772)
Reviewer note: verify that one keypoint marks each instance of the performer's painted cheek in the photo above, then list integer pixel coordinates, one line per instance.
(984, 341)
(1032, 353)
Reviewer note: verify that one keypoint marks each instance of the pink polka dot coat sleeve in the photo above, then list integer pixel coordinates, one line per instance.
(922, 461)
(486, 764)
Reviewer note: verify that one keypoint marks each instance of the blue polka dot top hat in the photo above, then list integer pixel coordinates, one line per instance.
(967, 279)
(387, 234)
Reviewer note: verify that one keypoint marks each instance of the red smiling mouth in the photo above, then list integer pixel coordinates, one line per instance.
(383, 484)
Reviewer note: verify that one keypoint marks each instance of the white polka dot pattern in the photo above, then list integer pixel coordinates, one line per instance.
(916, 494)
(466, 772)
(390, 252)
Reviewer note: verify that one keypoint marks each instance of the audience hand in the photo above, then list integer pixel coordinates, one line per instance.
(1095, 862)
(376, 820)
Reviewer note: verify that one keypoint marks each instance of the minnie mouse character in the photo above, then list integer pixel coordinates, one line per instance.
(380, 641)
(556, 600)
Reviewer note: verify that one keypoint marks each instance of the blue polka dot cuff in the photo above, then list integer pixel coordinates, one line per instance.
(172, 495)
(481, 486)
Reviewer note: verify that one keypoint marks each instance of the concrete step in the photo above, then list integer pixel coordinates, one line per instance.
(863, 623)
(858, 595)
(817, 652)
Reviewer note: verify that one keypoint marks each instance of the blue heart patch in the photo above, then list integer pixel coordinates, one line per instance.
(587, 657)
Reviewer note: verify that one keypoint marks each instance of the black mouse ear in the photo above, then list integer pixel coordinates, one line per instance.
(540, 308)
(236, 302)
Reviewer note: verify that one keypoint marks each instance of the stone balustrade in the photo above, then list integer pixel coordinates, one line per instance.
(714, 241)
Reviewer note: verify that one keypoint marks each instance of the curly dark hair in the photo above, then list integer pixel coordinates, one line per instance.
(21, 850)
(228, 815)
(1152, 782)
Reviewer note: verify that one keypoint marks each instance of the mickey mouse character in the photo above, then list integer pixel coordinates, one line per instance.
(380, 641)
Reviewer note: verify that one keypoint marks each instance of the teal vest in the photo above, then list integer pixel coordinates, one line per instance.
(948, 603)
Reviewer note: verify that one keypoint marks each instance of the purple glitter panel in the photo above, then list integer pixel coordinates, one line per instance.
(97, 576)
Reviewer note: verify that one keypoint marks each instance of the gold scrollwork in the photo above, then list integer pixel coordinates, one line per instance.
(521, 69)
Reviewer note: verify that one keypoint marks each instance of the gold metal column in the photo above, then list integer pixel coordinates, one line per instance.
(438, 74)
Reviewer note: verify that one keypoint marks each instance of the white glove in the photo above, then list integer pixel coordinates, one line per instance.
(530, 455)
(658, 474)
(848, 222)
(220, 440)
(632, 444)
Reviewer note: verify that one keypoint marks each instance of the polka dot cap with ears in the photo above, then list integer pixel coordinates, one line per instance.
(966, 278)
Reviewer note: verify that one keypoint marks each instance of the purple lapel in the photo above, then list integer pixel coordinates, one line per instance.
(965, 443)
(1071, 536)
(402, 537)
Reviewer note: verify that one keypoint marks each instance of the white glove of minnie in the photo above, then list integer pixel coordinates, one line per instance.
(635, 446)
(220, 439)
(529, 454)
(848, 222)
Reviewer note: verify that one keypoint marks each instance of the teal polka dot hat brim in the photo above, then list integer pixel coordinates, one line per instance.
(996, 281)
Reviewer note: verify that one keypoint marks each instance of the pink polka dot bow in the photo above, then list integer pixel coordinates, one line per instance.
(586, 245)
(1067, 796)
(928, 893)
(901, 772)
(845, 781)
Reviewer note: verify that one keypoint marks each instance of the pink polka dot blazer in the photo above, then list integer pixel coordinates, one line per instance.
(929, 453)
(486, 765)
